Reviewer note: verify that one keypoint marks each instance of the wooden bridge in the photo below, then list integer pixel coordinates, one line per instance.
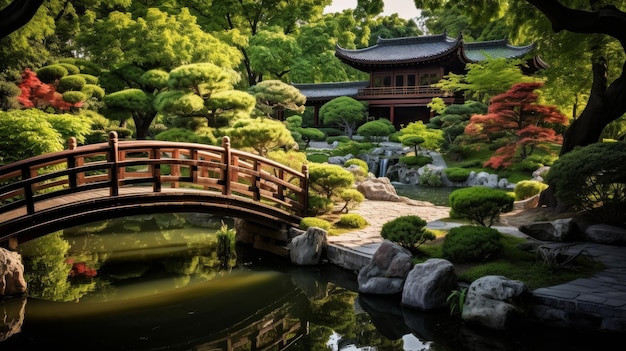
(46, 193)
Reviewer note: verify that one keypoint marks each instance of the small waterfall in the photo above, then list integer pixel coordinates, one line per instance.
(383, 163)
(382, 167)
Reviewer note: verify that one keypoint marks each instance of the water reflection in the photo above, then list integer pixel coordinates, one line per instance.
(159, 283)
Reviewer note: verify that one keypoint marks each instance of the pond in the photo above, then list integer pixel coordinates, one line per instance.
(437, 195)
(159, 283)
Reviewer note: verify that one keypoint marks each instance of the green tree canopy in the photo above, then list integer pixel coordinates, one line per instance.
(344, 111)
(260, 134)
(274, 97)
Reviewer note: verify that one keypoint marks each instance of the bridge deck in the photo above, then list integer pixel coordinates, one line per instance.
(116, 179)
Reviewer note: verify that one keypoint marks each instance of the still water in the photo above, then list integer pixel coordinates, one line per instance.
(162, 283)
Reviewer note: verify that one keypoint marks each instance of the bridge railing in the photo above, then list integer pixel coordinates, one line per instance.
(159, 164)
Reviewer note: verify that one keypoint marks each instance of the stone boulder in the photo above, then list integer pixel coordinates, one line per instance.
(11, 273)
(307, 249)
(606, 234)
(13, 318)
(560, 230)
(496, 302)
(378, 189)
(429, 284)
(386, 271)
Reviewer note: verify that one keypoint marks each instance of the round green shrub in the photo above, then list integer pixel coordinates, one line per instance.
(70, 67)
(351, 220)
(480, 204)
(51, 73)
(341, 139)
(90, 79)
(418, 161)
(357, 161)
(308, 222)
(526, 189)
(376, 128)
(407, 231)
(93, 91)
(74, 96)
(592, 179)
(470, 243)
(317, 158)
(457, 174)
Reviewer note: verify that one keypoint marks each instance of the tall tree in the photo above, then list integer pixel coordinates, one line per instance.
(204, 90)
(597, 20)
(345, 112)
(156, 40)
(274, 97)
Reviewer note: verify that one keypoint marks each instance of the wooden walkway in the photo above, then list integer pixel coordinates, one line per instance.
(93, 182)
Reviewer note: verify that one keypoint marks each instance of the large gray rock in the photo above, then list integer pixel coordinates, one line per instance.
(378, 189)
(496, 302)
(386, 271)
(561, 230)
(11, 273)
(606, 234)
(307, 249)
(429, 284)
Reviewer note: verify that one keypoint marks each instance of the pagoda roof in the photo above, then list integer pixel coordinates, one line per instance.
(424, 49)
(328, 91)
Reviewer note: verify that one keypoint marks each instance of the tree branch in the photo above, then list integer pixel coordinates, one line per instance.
(606, 20)
(17, 14)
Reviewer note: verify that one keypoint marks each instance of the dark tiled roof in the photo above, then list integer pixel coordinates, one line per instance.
(327, 91)
(479, 51)
(427, 48)
(401, 50)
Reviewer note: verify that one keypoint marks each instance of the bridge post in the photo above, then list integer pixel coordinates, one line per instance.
(226, 156)
(113, 160)
(304, 195)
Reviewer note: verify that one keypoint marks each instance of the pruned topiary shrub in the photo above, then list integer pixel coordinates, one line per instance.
(352, 198)
(308, 222)
(418, 161)
(469, 243)
(319, 205)
(480, 204)
(526, 189)
(357, 161)
(407, 231)
(592, 179)
(457, 174)
(351, 220)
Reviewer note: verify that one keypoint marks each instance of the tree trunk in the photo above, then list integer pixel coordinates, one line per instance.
(605, 104)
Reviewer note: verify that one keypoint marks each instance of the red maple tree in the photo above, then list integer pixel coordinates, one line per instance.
(40, 95)
(516, 119)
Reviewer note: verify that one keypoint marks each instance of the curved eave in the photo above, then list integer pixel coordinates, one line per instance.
(331, 90)
(408, 51)
(476, 52)
(356, 63)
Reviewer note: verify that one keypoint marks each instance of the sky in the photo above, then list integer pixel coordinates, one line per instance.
(404, 8)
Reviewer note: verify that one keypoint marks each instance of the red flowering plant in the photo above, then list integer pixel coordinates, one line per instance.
(36, 94)
(517, 123)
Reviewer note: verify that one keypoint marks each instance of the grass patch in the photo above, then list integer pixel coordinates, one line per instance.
(517, 264)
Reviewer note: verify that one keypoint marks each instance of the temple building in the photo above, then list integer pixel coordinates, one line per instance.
(402, 70)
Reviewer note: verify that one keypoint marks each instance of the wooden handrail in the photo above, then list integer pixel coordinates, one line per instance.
(160, 164)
